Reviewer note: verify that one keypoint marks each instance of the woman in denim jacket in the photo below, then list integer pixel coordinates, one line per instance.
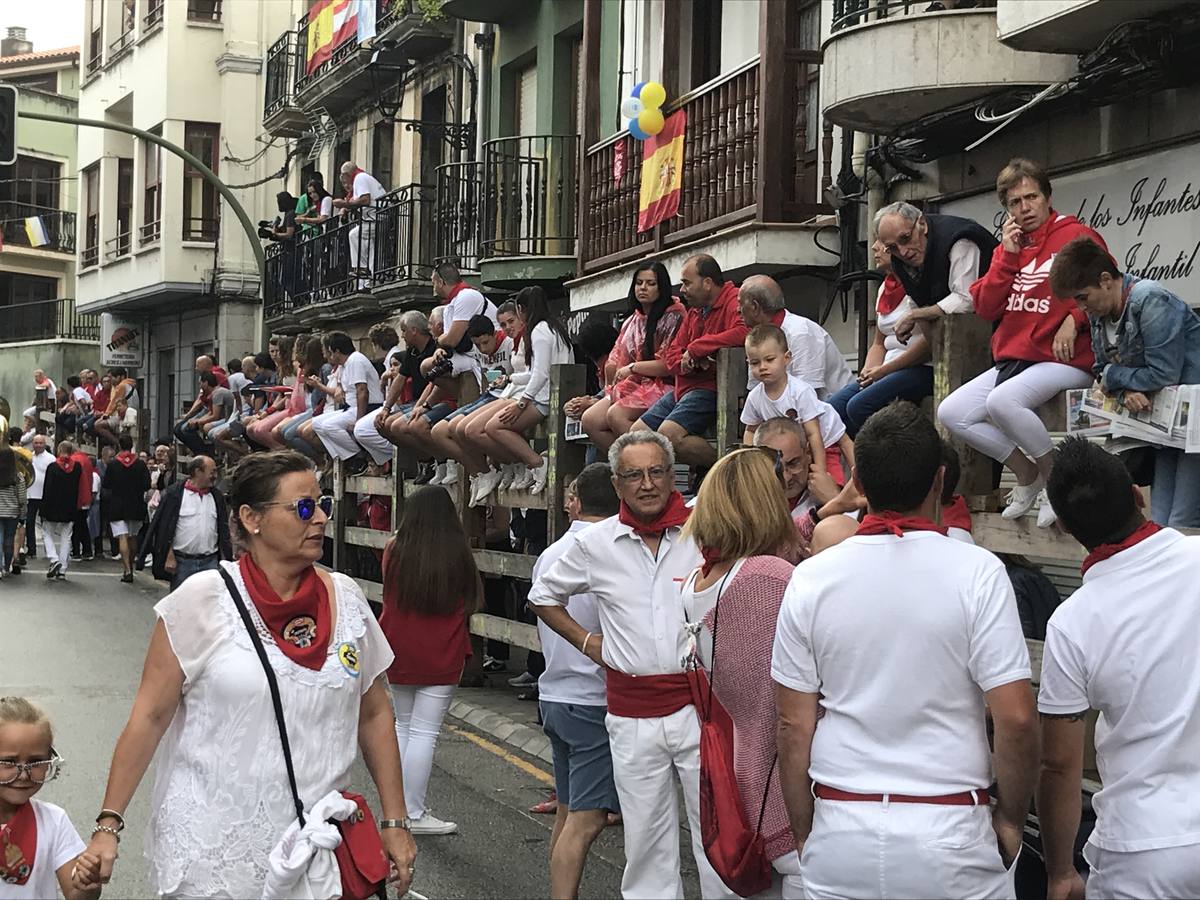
(1145, 338)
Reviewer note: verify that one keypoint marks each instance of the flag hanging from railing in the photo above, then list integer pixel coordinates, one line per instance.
(35, 230)
(366, 20)
(662, 173)
(330, 22)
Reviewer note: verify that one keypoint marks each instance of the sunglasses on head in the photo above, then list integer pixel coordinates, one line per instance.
(306, 507)
(775, 456)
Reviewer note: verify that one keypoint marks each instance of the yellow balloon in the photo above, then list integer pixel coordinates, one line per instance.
(653, 95)
(650, 121)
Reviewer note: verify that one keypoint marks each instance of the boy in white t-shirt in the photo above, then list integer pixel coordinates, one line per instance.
(780, 394)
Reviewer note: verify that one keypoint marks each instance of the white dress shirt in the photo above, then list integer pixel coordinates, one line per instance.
(196, 532)
(638, 596)
(815, 356)
(41, 462)
(964, 271)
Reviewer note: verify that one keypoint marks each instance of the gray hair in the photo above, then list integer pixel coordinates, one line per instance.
(763, 290)
(416, 320)
(348, 167)
(633, 438)
(778, 425)
(438, 313)
(906, 211)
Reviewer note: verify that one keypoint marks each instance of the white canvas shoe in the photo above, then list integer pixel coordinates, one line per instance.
(1046, 515)
(509, 473)
(439, 474)
(428, 824)
(523, 481)
(452, 470)
(540, 474)
(1022, 499)
(484, 486)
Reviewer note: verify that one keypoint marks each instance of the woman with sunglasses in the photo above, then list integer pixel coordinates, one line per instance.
(742, 527)
(221, 798)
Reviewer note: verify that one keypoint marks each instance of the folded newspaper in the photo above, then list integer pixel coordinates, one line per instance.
(1173, 419)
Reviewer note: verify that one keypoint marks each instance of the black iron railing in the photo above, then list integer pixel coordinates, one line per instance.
(856, 12)
(305, 78)
(59, 226)
(530, 187)
(459, 201)
(388, 11)
(403, 242)
(281, 68)
(48, 320)
(282, 279)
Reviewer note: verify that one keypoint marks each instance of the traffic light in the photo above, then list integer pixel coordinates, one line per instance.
(8, 124)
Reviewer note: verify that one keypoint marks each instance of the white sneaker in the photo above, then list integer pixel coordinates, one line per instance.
(484, 486)
(452, 470)
(439, 474)
(540, 474)
(1022, 498)
(1046, 515)
(523, 481)
(428, 824)
(510, 472)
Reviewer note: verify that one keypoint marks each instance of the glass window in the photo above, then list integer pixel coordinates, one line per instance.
(201, 211)
(152, 190)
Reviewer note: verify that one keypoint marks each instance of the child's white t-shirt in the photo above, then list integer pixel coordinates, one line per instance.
(57, 844)
(798, 402)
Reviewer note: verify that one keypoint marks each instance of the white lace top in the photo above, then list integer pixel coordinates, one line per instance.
(221, 796)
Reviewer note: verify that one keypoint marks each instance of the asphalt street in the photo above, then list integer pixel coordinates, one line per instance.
(77, 647)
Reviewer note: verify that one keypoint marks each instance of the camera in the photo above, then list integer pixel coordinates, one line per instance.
(266, 229)
(440, 369)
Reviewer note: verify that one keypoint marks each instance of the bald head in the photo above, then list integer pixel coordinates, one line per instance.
(203, 364)
(760, 298)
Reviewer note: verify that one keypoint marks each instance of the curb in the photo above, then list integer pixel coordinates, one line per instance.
(516, 734)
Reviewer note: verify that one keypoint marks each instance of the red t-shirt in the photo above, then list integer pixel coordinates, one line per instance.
(429, 649)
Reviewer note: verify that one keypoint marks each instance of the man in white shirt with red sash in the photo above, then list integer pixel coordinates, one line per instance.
(902, 636)
(1123, 644)
(634, 565)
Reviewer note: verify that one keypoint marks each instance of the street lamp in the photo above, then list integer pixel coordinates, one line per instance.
(391, 73)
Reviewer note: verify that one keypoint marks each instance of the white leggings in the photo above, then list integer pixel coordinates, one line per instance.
(420, 710)
(996, 420)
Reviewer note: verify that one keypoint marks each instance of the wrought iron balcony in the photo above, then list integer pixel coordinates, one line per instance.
(530, 189)
(459, 202)
(403, 242)
(49, 320)
(281, 115)
(59, 225)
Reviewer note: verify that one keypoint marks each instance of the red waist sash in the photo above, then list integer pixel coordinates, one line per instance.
(647, 696)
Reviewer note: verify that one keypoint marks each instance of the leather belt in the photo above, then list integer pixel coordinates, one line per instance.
(965, 798)
(179, 554)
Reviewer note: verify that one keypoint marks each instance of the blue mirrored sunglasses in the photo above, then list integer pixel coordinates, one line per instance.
(306, 507)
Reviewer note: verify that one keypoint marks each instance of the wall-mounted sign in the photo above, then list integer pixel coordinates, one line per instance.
(1147, 209)
(122, 341)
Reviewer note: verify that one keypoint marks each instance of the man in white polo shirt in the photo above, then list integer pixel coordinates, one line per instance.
(573, 705)
(1123, 644)
(902, 637)
(362, 192)
(360, 393)
(634, 564)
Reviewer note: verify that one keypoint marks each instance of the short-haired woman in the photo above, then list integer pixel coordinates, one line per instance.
(1145, 338)
(742, 527)
(221, 800)
(430, 588)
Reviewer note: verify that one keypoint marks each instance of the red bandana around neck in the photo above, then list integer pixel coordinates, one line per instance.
(456, 290)
(891, 296)
(18, 846)
(893, 523)
(188, 486)
(65, 463)
(1104, 551)
(126, 458)
(299, 625)
(675, 513)
(711, 558)
(956, 515)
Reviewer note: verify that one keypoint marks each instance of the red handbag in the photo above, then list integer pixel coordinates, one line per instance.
(360, 856)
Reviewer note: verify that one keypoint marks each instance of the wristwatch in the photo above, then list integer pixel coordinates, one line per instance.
(521, 404)
(405, 823)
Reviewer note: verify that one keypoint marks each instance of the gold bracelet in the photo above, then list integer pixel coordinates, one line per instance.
(583, 647)
(112, 814)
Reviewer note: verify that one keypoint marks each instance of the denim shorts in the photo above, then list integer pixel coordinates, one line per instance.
(583, 773)
(439, 412)
(472, 406)
(695, 413)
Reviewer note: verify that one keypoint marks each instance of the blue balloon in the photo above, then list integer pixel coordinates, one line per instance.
(637, 90)
(637, 132)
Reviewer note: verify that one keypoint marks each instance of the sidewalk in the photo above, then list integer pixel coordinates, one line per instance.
(496, 711)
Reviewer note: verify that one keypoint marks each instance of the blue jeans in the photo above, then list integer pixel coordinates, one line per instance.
(1175, 497)
(856, 404)
(185, 568)
(8, 534)
(291, 434)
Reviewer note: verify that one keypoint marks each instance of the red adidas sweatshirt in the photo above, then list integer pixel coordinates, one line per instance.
(1015, 292)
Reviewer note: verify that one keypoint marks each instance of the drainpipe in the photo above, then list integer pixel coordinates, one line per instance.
(486, 42)
(463, 113)
(873, 186)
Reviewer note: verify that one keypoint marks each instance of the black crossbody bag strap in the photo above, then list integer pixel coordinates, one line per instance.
(272, 684)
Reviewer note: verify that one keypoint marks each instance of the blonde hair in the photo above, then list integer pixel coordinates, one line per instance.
(741, 509)
(19, 711)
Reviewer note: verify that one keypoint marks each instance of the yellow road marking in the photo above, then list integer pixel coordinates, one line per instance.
(527, 767)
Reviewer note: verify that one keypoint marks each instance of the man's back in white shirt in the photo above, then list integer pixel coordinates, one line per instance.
(356, 370)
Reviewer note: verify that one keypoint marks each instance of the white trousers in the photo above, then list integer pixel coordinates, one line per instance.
(786, 882)
(362, 242)
(371, 440)
(859, 849)
(56, 536)
(1166, 872)
(996, 420)
(333, 428)
(648, 755)
(420, 710)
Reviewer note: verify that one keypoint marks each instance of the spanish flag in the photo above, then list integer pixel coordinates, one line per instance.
(662, 173)
(330, 24)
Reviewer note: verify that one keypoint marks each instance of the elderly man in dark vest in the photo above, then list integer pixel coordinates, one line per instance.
(936, 258)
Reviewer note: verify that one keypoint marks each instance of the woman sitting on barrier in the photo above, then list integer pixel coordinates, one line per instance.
(499, 429)
(635, 375)
(277, 408)
(326, 389)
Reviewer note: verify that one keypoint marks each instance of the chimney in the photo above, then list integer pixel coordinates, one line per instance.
(15, 43)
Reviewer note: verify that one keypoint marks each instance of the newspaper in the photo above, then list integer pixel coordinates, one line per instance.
(1173, 419)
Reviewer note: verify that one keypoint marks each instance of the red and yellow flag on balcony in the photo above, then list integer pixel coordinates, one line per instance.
(330, 23)
(662, 173)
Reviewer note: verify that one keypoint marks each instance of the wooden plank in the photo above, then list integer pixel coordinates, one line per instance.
(566, 457)
(497, 562)
(372, 589)
(367, 537)
(1035, 660)
(521, 499)
(773, 126)
(731, 395)
(384, 486)
(1023, 537)
(962, 350)
(516, 634)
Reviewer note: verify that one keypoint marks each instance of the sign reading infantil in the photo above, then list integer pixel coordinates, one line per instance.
(1147, 208)
(122, 341)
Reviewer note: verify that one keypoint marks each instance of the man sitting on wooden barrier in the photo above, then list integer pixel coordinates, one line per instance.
(1125, 644)
(633, 564)
(359, 389)
(420, 345)
(712, 321)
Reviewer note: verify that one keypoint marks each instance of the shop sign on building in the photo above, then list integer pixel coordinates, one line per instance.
(122, 341)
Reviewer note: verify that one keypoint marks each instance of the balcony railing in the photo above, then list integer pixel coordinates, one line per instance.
(121, 45)
(154, 16)
(59, 225)
(856, 12)
(48, 320)
(281, 73)
(387, 12)
(459, 200)
(115, 248)
(403, 239)
(341, 52)
(530, 187)
(149, 233)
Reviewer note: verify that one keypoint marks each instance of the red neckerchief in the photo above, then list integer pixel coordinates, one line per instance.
(1104, 551)
(711, 558)
(891, 296)
(299, 625)
(454, 291)
(65, 463)
(126, 458)
(18, 846)
(893, 523)
(188, 486)
(956, 515)
(350, 189)
(675, 513)
(777, 319)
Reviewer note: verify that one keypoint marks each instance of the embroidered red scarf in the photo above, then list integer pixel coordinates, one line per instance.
(300, 625)
(893, 523)
(18, 846)
(956, 515)
(1104, 551)
(675, 513)
(126, 458)
(891, 296)
(66, 464)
